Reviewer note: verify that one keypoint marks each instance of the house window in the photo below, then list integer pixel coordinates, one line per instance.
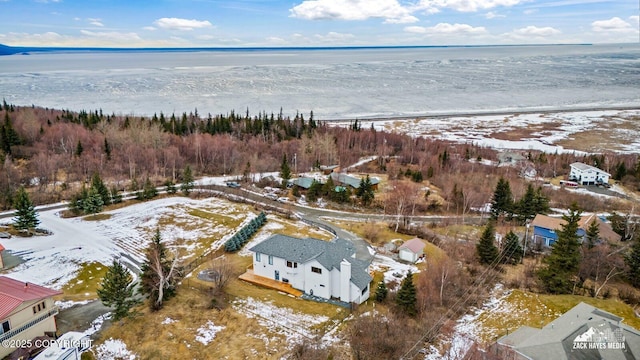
(316, 270)
(365, 289)
(270, 260)
(292, 264)
(258, 257)
(34, 310)
(43, 306)
(5, 327)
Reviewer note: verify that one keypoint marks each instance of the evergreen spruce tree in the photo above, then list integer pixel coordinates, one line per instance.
(593, 234)
(107, 149)
(187, 181)
(92, 203)
(633, 264)
(365, 191)
(486, 249)
(101, 188)
(26, 217)
(116, 196)
(381, 291)
(502, 201)
(541, 202)
(526, 207)
(511, 251)
(116, 290)
(149, 190)
(406, 298)
(559, 276)
(79, 148)
(170, 187)
(285, 171)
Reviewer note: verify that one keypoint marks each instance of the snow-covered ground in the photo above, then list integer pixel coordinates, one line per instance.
(392, 269)
(124, 235)
(548, 129)
(295, 326)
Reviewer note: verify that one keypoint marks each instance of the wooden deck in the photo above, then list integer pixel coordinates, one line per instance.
(250, 277)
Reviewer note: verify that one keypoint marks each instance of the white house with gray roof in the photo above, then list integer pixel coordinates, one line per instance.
(327, 269)
(585, 174)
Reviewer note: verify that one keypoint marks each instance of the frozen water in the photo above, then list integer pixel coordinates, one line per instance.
(335, 84)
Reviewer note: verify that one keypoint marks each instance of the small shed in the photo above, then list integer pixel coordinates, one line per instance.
(1, 262)
(411, 250)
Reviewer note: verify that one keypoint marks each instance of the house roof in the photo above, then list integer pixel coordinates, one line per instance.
(303, 182)
(555, 223)
(414, 245)
(352, 181)
(328, 253)
(584, 167)
(555, 340)
(13, 293)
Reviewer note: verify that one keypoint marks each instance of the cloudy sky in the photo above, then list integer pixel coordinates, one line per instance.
(241, 23)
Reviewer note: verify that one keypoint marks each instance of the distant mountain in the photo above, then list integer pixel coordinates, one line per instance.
(7, 50)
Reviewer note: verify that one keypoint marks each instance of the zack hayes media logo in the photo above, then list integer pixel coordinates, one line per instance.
(605, 339)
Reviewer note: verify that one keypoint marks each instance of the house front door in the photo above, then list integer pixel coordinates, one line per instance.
(277, 275)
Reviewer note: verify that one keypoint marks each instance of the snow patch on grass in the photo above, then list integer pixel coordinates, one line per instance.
(207, 332)
(114, 349)
(392, 269)
(295, 326)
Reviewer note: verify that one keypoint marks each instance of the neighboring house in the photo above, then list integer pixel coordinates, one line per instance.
(584, 332)
(411, 250)
(1, 261)
(26, 311)
(327, 269)
(328, 169)
(352, 181)
(545, 229)
(585, 174)
(510, 157)
(303, 182)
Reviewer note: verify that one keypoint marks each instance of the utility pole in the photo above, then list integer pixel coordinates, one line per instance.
(526, 234)
(295, 163)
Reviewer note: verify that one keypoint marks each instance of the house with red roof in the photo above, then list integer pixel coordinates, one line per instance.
(411, 250)
(26, 311)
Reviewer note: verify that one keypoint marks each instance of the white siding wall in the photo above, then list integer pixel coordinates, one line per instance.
(318, 283)
(588, 176)
(263, 268)
(356, 294)
(408, 255)
(335, 283)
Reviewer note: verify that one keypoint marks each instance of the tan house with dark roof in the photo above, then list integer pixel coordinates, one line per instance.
(26, 311)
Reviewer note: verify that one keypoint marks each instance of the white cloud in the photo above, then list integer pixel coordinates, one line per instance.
(536, 31)
(530, 11)
(493, 15)
(465, 5)
(635, 19)
(275, 40)
(149, 28)
(389, 10)
(112, 35)
(614, 24)
(447, 29)
(181, 24)
(334, 37)
(95, 22)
